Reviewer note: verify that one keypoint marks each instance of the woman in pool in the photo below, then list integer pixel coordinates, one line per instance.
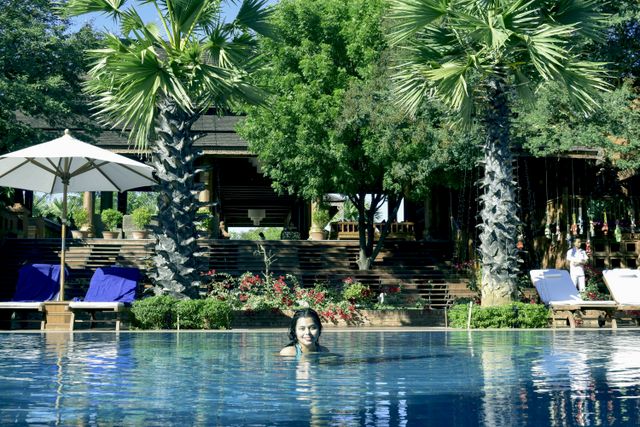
(304, 332)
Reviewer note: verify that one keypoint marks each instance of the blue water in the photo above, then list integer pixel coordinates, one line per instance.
(381, 379)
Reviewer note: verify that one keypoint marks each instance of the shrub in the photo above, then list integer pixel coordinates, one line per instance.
(216, 314)
(189, 314)
(158, 312)
(111, 218)
(357, 293)
(80, 217)
(141, 217)
(321, 217)
(516, 315)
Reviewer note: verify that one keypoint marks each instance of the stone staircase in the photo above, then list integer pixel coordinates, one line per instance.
(422, 268)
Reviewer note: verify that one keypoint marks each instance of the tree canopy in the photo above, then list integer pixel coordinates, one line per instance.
(330, 125)
(41, 69)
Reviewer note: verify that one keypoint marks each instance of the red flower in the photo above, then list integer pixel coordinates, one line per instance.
(244, 297)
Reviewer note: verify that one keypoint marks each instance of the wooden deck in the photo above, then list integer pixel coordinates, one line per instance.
(422, 268)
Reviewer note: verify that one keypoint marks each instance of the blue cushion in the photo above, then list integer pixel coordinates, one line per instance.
(113, 284)
(37, 282)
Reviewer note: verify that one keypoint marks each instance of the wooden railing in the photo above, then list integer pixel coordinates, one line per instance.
(348, 230)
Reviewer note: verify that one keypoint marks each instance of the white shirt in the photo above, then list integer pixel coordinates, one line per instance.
(576, 259)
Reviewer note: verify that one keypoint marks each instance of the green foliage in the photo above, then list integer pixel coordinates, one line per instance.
(270, 233)
(164, 312)
(549, 127)
(41, 71)
(515, 315)
(216, 314)
(111, 218)
(595, 289)
(50, 207)
(357, 293)
(330, 125)
(204, 219)
(321, 216)
(157, 312)
(189, 314)
(141, 217)
(80, 217)
(138, 199)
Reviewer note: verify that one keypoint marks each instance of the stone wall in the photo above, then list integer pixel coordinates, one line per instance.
(364, 318)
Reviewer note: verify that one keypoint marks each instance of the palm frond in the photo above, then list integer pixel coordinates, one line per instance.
(183, 17)
(584, 80)
(451, 85)
(126, 81)
(547, 48)
(523, 86)
(410, 86)
(580, 13)
(410, 16)
(80, 7)
(254, 15)
(224, 51)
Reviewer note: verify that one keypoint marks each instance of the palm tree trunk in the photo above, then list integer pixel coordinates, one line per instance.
(176, 269)
(498, 213)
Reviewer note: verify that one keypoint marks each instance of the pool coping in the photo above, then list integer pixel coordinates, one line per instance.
(326, 330)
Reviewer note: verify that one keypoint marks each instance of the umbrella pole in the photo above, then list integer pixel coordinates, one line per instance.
(64, 235)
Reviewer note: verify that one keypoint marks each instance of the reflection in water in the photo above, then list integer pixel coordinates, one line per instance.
(379, 379)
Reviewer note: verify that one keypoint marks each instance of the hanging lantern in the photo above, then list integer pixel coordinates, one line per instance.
(588, 247)
(632, 221)
(580, 223)
(605, 226)
(592, 228)
(617, 233)
(547, 231)
(574, 226)
(520, 244)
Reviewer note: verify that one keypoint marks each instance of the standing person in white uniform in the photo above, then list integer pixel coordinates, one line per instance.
(577, 257)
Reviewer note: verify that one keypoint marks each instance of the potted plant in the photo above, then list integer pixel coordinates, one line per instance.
(110, 218)
(81, 219)
(320, 218)
(141, 217)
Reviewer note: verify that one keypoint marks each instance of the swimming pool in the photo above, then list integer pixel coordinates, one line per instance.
(381, 379)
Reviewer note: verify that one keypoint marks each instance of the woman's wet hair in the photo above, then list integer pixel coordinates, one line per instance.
(301, 314)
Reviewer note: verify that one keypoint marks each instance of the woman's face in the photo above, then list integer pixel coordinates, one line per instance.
(307, 332)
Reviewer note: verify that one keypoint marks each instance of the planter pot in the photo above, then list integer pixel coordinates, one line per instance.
(139, 234)
(78, 234)
(317, 234)
(110, 234)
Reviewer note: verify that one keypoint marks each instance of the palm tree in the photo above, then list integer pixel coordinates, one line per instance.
(479, 56)
(156, 82)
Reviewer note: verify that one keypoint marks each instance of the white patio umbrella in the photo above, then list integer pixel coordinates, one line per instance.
(67, 164)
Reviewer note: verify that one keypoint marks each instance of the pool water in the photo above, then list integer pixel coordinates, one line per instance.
(380, 379)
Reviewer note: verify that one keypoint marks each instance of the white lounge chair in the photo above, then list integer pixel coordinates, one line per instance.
(624, 286)
(558, 292)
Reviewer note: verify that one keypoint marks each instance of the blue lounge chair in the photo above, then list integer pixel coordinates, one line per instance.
(112, 289)
(37, 283)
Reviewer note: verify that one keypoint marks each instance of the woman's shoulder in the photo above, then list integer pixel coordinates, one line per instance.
(289, 350)
(323, 349)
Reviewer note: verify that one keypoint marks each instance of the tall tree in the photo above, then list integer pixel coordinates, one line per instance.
(41, 69)
(478, 56)
(158, 82)
(329, 125)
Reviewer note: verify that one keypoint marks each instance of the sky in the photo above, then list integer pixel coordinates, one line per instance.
(147, 12)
